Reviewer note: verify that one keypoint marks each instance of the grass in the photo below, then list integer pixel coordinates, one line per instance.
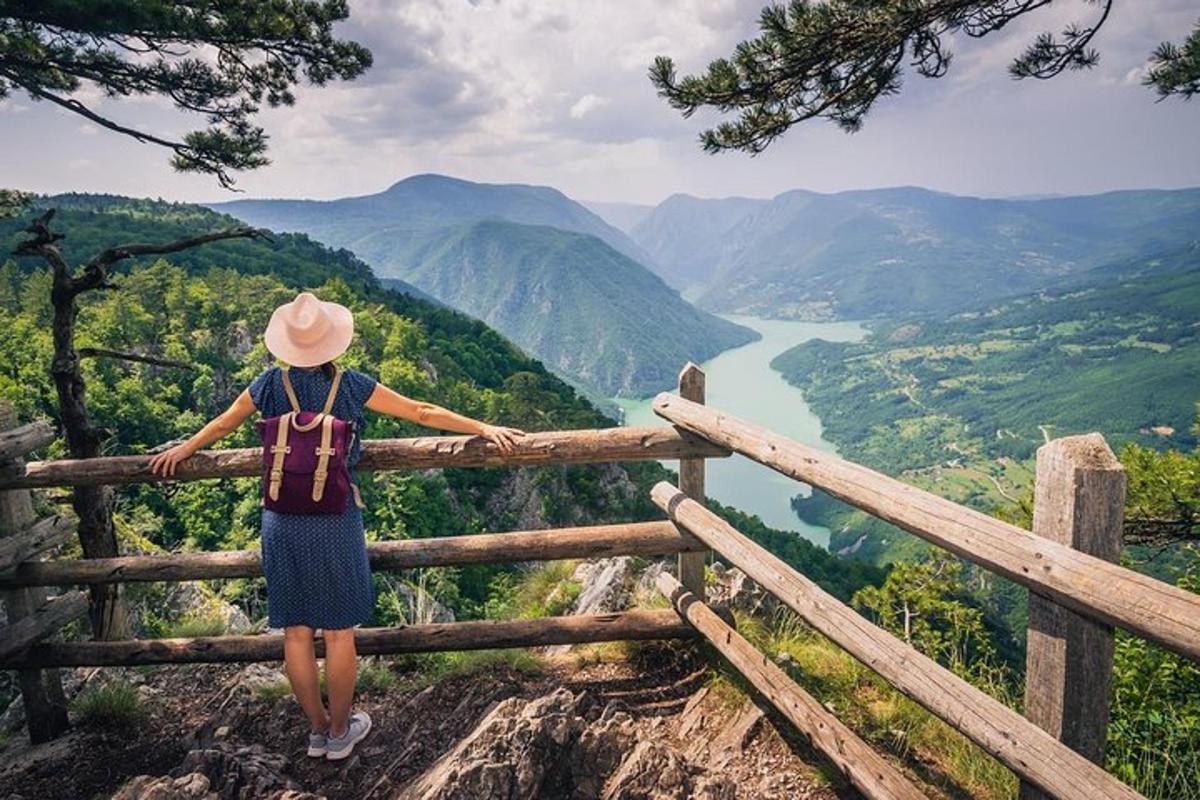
(113, 705)
(431, 668)
(273, 691)
(194, 626)
(546, 591)
(863, 701)
(191, 625)
(418, 671)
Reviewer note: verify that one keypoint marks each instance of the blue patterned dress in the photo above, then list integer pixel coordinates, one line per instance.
(316, 564)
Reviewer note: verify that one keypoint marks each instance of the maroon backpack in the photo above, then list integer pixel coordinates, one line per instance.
(304, 457)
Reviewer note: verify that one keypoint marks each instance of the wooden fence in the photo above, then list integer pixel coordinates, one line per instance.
(1077, 591)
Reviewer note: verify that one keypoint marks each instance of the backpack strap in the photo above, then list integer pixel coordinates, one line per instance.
(291, 393)
(279, 450)
(323, 454)
(333, 390)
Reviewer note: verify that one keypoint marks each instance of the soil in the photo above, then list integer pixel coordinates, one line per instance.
(195, 706)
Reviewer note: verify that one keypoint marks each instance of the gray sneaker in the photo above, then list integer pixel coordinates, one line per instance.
(318, 744)
(339, 747)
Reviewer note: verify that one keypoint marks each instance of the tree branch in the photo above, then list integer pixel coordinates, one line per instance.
(95, 272)
(101, 352)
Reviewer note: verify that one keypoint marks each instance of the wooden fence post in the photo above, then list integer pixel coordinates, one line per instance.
(1079, 501)
(41, 689)
(691, 483)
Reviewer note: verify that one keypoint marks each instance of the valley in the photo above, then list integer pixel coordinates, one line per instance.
(959, 404)
(556, 279)
(742, 382)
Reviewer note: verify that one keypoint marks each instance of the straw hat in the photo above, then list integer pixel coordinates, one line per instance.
(307, 332)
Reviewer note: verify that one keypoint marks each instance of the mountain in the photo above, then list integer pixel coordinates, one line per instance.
(686, 236)
(622, 216)
(876, 252)
(383, 229)
(589, 278)
(459, 350)
(585, 309)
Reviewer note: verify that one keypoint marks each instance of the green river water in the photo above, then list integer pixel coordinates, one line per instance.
(742, 382)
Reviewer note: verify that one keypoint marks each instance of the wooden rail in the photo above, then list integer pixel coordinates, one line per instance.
(1086, 584)
(23, 537)
(19, 442)
(45, 534)
(1021, 745)
(594, 541)
(472, 635)
(45, 620)
(426, 452)
(1076, 592)
(869, 772)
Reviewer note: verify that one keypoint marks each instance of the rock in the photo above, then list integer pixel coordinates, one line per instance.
(606, 585)
(164, 787)
(733, 588)
(645, 591)
(655, 771)
(600, 749)
(547, 747)
(514, 752)
(237, 773)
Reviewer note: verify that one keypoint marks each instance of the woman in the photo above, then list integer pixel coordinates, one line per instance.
(316, 565)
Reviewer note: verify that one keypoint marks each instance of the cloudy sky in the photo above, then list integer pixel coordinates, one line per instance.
(555, 92)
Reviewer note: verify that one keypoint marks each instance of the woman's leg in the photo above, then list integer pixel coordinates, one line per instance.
(341, 669)
(300, 660)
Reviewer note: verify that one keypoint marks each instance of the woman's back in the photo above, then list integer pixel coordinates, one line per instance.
(312, 388)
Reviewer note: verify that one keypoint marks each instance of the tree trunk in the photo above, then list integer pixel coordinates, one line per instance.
(93, 504)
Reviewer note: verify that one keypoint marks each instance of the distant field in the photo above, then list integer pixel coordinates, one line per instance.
(960, 405)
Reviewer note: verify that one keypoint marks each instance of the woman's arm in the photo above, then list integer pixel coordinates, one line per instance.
(385, 401)
(227, 422)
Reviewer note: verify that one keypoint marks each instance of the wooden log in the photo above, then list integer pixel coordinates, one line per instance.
(1079, 502)
(44, 621)
(866, 770)
(41, 536)
(1088, 585)
(41, 689)
(593, 541)
(691, 482)
(426, 452)
(1015, 741)
(473, 635)
(20, 442)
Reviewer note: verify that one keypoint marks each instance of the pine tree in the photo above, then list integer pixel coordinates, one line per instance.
(221, 59)
(834, 59)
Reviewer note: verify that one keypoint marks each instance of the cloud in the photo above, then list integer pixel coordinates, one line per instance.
(581, 107)
(556, 92)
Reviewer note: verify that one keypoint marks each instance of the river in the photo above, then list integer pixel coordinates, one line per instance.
(742, 382)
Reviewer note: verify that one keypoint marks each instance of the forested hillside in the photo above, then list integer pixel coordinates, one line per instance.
(904, 250)
(586, 310)
(208, 311)
(961, 403)
(383, 228)
(541, 268)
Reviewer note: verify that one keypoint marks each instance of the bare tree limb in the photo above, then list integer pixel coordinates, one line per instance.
(100, 352)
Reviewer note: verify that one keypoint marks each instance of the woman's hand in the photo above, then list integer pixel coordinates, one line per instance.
(164, 463)
(504, 438)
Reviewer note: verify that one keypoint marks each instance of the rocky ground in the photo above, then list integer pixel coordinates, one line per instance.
(644, 721)
(646, 727)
